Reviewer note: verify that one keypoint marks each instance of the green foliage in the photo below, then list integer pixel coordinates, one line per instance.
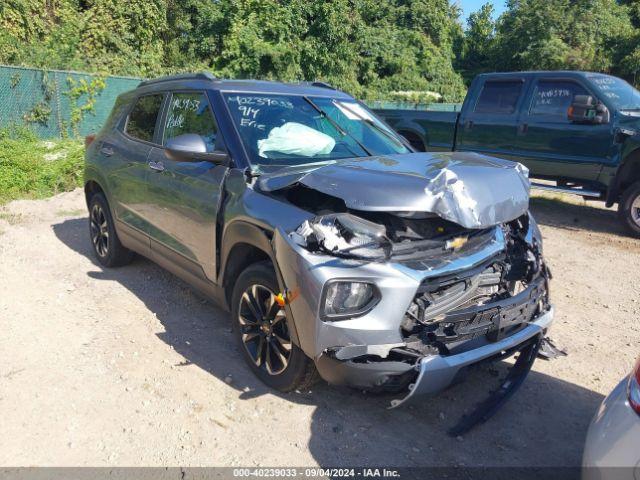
(368, 47)
(595, 35)
(87, 90)
(32, 168)
(479, 48)
(39, 113)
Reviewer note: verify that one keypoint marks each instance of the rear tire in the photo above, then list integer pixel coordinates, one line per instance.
(102, 233)
(629, 209)
(262, 331)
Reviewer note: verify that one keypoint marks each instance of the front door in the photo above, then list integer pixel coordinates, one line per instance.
(490, 126)
(550, 145)
(184, 197)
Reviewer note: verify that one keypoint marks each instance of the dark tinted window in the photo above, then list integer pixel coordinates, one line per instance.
(553, 97)
(190, 113)
(499, 97)
(142, 119)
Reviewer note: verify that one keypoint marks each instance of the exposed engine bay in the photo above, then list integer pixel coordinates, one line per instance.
(492, 299)
(376, 236)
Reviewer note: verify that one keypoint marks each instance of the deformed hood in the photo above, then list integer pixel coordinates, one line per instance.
(472, 190)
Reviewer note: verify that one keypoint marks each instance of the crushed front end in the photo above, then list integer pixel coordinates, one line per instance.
(411, 268)
(424, 308)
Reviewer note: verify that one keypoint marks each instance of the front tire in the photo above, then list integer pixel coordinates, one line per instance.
(262, 331)
(102, 233)
(629, 209)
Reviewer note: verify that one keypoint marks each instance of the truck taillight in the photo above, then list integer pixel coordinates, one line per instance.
(633, 390)
(88, 140)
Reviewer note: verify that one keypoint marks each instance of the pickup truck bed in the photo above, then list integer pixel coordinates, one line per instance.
(439, 127)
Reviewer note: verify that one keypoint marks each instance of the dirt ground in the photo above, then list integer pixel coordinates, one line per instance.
(128, 367)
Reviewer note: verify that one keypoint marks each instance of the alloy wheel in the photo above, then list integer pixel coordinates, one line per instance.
(635, 210)
(263, 329)
(99, 230)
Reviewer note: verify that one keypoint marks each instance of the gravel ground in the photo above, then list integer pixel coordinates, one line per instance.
(128, 367)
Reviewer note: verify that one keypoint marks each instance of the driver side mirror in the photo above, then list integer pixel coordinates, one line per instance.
(190, 147)
(587, 110)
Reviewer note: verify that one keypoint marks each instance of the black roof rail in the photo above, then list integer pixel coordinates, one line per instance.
(182, 76)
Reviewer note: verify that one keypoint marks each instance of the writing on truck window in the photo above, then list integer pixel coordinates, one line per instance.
(554, 97)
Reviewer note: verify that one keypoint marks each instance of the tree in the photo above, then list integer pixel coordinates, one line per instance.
(478, 53)
(368, 47)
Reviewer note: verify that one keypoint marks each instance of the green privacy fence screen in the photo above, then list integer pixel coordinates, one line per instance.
(54, 103)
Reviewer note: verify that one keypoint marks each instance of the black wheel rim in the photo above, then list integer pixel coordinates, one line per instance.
(263, 329)
(99, 230)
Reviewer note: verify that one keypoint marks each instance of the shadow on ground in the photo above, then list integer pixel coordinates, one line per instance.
(571, 216)
(543, 424)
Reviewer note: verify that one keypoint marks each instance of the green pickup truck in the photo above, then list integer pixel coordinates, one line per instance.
(579, 129)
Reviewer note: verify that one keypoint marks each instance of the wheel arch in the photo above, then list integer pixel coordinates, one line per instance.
(91, 187)
(628, 173)
(243, 244)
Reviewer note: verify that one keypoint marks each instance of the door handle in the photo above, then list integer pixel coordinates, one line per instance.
(157, 166)
(468, 125)
(106, 151)
(523, 128)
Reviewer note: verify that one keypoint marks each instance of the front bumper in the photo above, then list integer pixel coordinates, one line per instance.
(363, 352)
(437, 372)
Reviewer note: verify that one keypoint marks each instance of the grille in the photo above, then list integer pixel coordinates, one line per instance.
(483, 302)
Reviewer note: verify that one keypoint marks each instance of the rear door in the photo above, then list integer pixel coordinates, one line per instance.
(490, 125)
(127, 151)
(184, 197)
(549, 144)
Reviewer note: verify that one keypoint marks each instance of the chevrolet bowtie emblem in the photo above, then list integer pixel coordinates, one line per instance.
(456, 243)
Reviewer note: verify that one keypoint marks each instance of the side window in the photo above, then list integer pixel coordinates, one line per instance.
(116, 114)
(189, 113)
(553, 97)
(499, 97)
(142, 119)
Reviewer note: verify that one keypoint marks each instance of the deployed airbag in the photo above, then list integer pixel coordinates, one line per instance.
(296, 139)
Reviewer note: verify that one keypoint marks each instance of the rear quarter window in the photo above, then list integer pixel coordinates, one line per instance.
(499, 97)
(116, 114)
(142, 119)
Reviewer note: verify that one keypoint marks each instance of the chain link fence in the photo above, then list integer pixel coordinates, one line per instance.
(55, 103)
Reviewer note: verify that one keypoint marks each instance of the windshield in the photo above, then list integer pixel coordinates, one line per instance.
(620, 93)
(289, 130)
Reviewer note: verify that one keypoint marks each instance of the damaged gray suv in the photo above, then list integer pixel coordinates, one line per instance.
(338, 249)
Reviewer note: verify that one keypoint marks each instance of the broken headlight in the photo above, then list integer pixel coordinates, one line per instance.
(346, 235)
(347, 299)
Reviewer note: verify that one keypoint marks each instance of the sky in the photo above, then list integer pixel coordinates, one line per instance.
(470, 6)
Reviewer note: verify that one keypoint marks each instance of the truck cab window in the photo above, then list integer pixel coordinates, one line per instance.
(189, 113)
(499, 97)
(553, 97)
(142, 119)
